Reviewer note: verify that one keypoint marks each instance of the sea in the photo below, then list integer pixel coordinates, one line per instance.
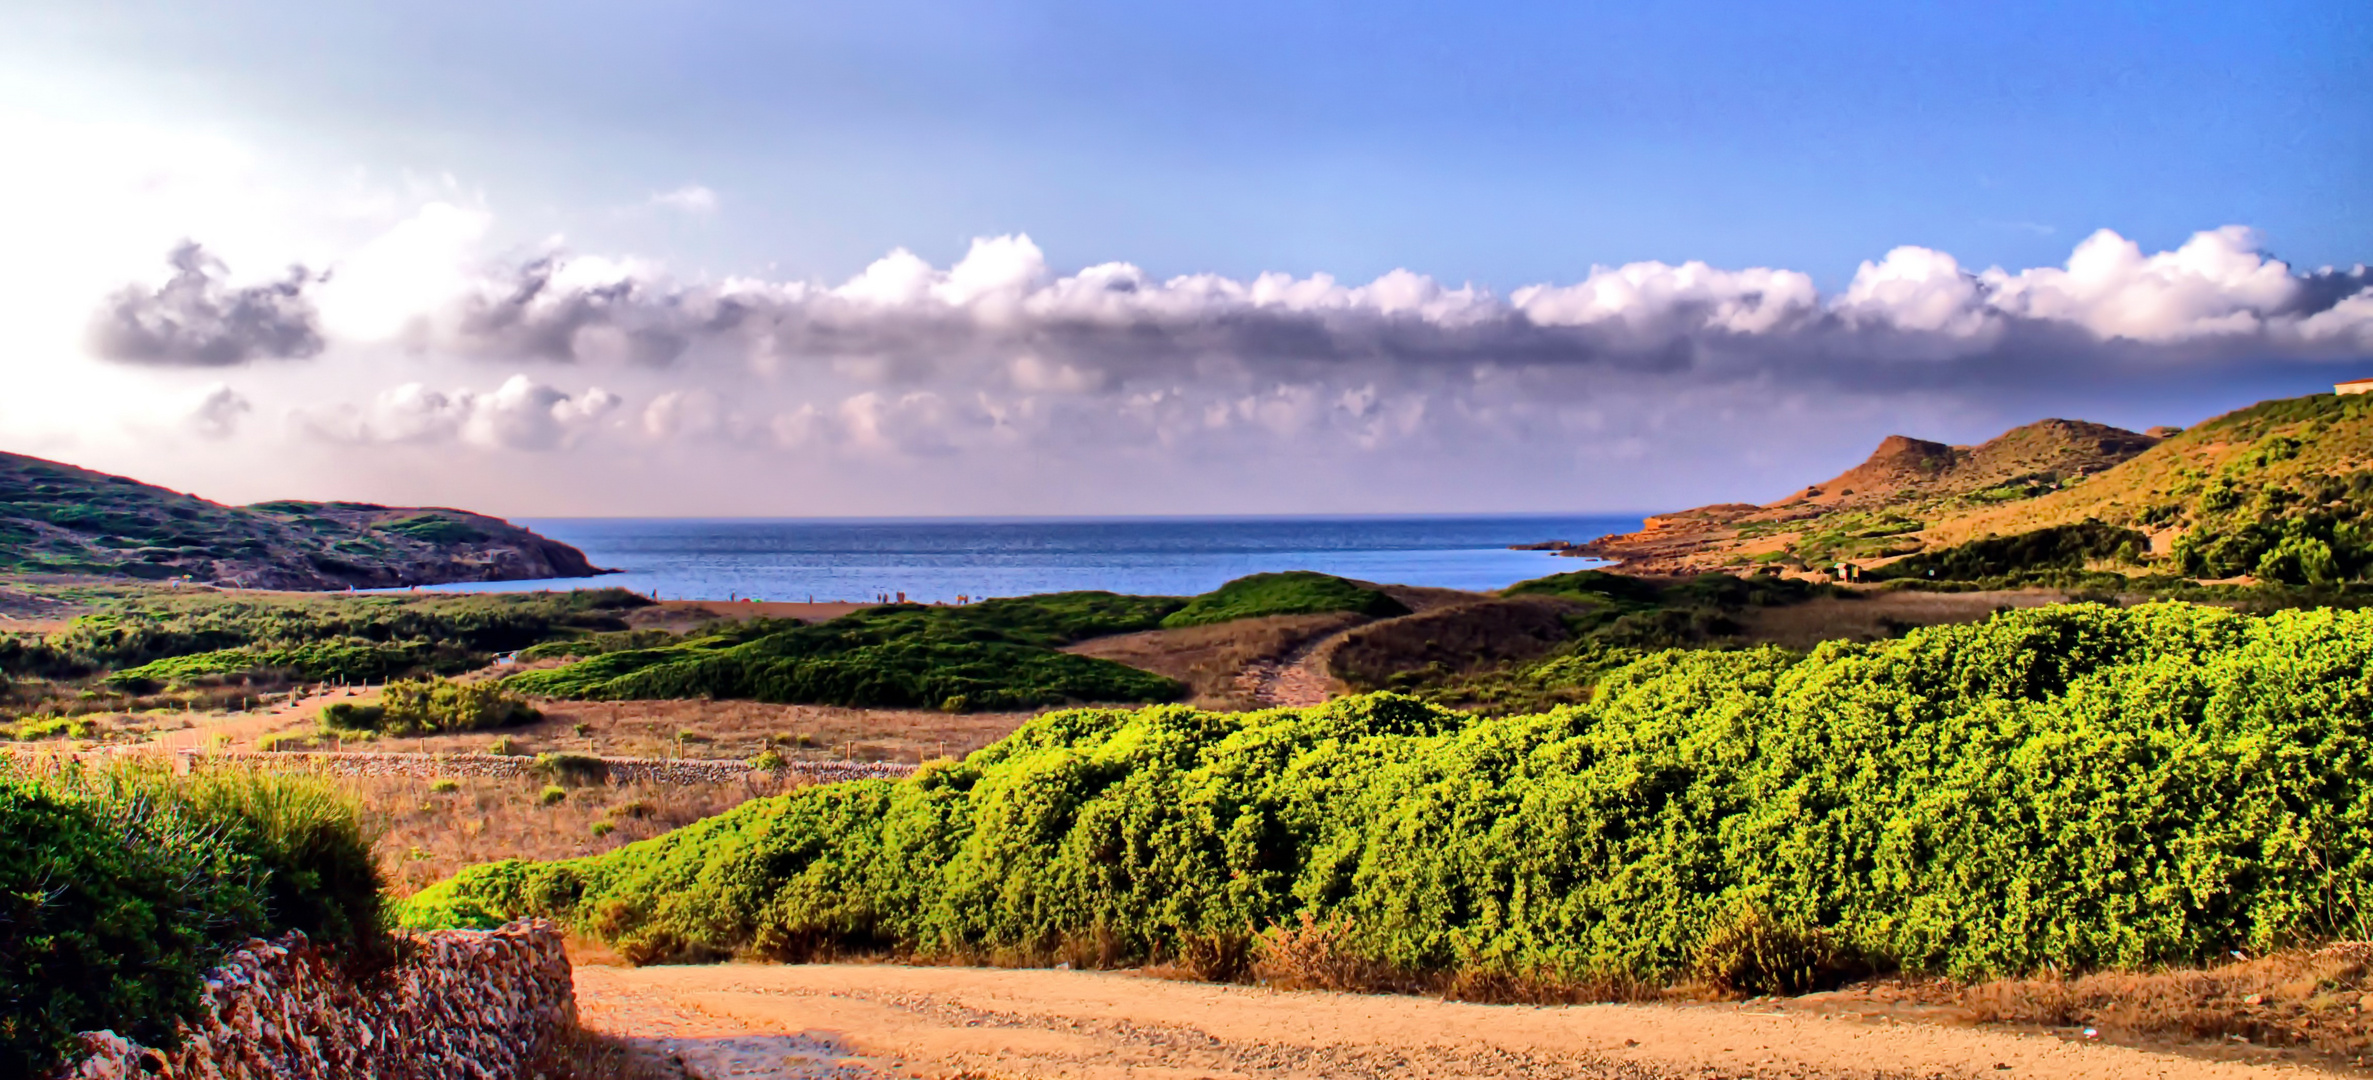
(941, 559)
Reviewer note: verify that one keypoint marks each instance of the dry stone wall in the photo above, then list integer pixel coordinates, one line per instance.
(457, 1005)
(619, 770)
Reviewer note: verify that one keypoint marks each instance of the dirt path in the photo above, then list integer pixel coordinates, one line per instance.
(813, 1021)
(240, 730)
(1294, 680)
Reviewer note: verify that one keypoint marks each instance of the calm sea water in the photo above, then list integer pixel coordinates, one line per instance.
(941, 558)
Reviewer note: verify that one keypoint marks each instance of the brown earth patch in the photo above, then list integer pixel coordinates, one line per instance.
(695, 728)
(1876, 615)
(1450, 638)
(1214, 660)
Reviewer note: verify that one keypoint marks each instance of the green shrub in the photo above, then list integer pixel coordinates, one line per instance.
(572, 768)
(601, 829)
(432, 706)
(552, 794)
(121, 886)
(767, 760)
(48, 727)
(1295, 592)
(503, 746)
(444, 786)
(1749, 952)
(2070, 787)
(2061, 547)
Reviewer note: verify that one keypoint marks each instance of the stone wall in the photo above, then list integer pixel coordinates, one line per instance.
(619, 770)
(457, 1005)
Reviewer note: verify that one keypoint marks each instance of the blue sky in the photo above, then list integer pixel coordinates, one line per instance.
(1501, 146)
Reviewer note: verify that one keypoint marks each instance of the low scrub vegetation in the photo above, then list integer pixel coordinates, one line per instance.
(1518, 655)
(2007, 558)
(994, 655)
(121, 886)
(1295, 592)
(2069, 788)
(998, 654)
(149, 647)
(432, 707)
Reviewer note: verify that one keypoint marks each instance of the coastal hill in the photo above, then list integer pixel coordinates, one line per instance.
(2286, 479)
(1877, 509)
(60, 519)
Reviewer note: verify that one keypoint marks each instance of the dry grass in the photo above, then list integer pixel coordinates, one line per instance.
(1210, 659)
(1449, 639)
(1876, 615)
(736, 730)
(426, 834)
(2308, 998)
(726, 730)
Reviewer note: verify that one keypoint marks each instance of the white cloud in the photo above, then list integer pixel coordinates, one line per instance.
(521, 414)
(2218, 284)
(691, 199)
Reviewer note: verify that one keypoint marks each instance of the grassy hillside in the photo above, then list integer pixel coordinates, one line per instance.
(997, 654)
(1879, 508)
(1295, 592)
(2058, 789)
(2279, 490)
(59, 519)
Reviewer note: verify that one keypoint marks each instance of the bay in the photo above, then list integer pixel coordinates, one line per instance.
(939, 559)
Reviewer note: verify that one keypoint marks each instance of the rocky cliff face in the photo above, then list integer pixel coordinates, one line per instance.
(60, 519)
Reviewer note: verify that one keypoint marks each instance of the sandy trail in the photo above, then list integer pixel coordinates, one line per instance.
(1293, 680)
(241, 729)
(812, 1021)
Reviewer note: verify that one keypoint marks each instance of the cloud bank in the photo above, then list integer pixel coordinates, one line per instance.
(1000, 367)
(2217, 296)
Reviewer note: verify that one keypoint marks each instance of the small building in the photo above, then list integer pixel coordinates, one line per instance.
(2354, 386)
(1847, 571)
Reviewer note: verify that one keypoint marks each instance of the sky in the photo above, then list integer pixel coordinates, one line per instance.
(898, 258)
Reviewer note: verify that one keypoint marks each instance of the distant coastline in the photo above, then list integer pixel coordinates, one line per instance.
(937, 559)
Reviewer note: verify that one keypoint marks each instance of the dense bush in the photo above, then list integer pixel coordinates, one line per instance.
(120, 887)
(340, 660)
(1295, 592)
(432, 706)
(349, 637)
(2067, 787)
(2061, 547)
(998, 654)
